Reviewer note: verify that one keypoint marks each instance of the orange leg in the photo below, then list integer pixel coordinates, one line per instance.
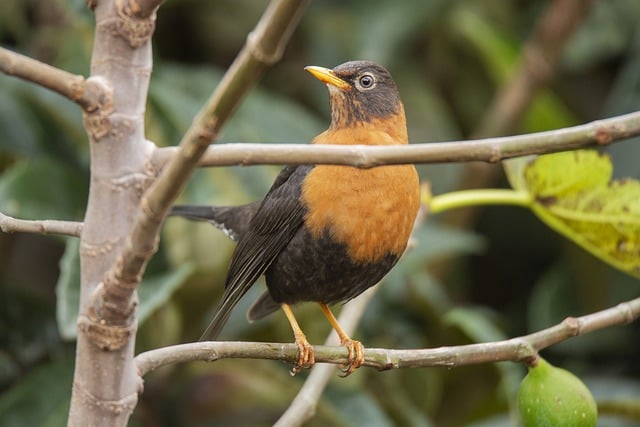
(305, 351)
(355, 358)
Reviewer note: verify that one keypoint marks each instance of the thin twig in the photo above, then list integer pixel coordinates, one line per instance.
(48, 226)
(597, 133)
(88, 93)
(520, 349)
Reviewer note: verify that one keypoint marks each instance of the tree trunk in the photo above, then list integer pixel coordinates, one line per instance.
(105, 385)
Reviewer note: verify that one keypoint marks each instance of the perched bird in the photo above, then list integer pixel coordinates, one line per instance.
(324, 233)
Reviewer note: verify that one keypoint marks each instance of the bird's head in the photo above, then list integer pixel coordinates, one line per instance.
(361, 93)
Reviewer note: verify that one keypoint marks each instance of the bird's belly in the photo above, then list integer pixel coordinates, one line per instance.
(320, 270)
(356, 227)
(371, 212)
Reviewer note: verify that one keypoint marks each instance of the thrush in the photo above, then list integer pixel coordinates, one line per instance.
(324, 233)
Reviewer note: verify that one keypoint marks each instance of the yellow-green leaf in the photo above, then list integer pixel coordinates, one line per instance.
(573, 193)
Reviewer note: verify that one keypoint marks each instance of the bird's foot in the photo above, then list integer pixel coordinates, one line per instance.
(355, 358)
(306, 358)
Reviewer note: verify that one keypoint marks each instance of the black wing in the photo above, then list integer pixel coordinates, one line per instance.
(271, 229)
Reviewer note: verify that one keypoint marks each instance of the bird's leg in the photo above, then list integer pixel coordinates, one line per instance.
(305, 351)
(355, 358)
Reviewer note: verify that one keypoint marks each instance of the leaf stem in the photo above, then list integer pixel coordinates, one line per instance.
(489, 196)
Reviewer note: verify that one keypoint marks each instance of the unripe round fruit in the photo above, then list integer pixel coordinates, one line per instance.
(554, 397)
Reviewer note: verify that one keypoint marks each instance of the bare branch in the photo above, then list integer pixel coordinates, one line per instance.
(519, 349)
(598, 133)
(303, 405)
(48, 226)
(88, 93)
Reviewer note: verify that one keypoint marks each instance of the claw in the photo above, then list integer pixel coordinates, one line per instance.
(306, 358)
(305, 351)
(355, 358)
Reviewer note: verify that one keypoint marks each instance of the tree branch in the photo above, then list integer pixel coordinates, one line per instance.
(598, 133)
(48, 226)
(263, 47)
(520, 349)
(90, 94)
(303, 405)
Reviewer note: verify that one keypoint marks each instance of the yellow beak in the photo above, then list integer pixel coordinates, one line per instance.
(327, 76)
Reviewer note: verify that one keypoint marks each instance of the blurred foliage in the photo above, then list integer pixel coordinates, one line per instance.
(506, 275)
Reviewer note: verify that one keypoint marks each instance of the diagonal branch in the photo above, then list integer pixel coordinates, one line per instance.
(520, 349)
(597, 133)
(264, 46)
(88, 93)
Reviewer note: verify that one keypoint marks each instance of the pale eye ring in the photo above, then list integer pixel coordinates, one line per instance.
(366, 81)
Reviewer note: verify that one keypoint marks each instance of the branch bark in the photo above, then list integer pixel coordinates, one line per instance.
(492, 150)
(90, 94)
(520, 349)
(48, 226)
(598, 133)
(105, 384)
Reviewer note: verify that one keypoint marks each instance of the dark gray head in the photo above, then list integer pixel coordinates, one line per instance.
(360, 91)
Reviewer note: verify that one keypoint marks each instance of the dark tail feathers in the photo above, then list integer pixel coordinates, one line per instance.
(233, 221)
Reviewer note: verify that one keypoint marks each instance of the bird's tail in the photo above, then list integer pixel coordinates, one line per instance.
(233, 221)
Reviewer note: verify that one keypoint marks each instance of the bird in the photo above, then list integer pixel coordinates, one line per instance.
(324, 233)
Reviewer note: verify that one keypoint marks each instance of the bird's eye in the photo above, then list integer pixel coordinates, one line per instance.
(366, 81)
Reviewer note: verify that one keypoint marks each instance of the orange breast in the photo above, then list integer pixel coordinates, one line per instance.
(370, 211)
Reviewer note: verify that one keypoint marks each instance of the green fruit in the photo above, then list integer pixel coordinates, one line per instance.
(553, 397)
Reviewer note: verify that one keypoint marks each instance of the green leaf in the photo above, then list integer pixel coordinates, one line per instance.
(154, 291)
(41, 398)
(479, 324)
(574, 195)
(42, 188)
(68, 290)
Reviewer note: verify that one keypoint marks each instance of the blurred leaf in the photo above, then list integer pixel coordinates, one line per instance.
(501, 55)
(574, 195)
(177, 93)
(153, 292)
(430, 242)
(41, 398)
(36, 121)
(358, 409)
(605, 33)
(68, 290)
(479, 324)
(42, 188)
